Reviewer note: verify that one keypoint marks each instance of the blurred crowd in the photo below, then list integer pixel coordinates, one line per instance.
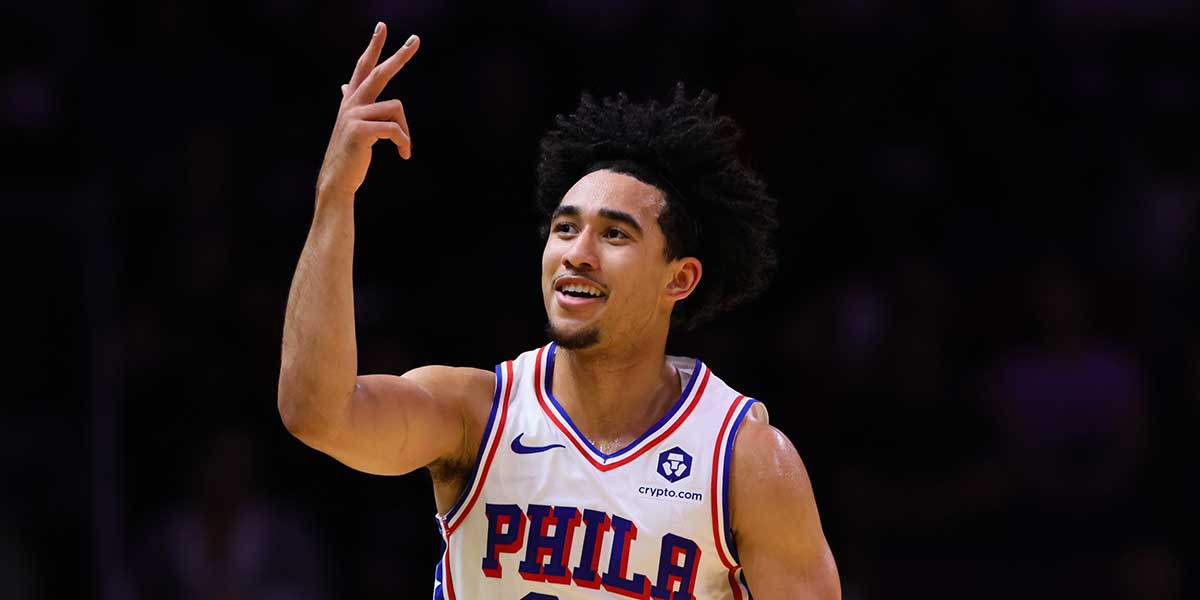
(983, 336)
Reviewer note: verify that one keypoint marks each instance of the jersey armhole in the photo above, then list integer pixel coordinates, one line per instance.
(722, 463)
(487, 448)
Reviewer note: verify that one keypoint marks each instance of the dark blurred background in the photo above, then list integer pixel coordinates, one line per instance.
(982, 338)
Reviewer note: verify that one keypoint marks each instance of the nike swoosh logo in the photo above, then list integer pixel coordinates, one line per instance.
(520, 448)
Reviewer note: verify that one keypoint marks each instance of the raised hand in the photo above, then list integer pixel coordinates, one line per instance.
(362, 121)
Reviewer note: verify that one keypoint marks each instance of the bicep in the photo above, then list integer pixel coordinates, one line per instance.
(396, 424)
(776, 525)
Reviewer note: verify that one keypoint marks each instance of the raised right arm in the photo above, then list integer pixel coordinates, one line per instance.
(380, 424)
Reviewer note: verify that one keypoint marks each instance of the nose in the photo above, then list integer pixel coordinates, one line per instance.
(581, 254)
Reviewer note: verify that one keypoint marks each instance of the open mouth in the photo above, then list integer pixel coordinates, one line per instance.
(576, 288)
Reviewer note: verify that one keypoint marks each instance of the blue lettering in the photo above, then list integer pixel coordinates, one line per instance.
(596, 524)
(541, 544)
(546, 553)
(506, 533)
(624, 532)
(671, 572)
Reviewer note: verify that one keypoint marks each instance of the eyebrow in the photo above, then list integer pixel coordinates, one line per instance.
(608, 213)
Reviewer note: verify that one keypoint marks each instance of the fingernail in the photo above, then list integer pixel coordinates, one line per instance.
(378, 26)
(411, 39)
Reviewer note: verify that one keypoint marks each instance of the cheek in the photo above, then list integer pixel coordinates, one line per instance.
(549, 262)
(645, 286)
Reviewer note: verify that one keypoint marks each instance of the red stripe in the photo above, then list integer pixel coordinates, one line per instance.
(487, 464)
(733, 583)
(718, 534)
(537, 374)
(446, 566)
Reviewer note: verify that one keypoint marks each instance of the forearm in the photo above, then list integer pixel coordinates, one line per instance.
(319, 367)
(320, 357)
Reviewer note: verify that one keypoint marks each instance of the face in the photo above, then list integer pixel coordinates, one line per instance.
(605, 278)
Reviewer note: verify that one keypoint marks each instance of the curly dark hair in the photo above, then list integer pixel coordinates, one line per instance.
(717, 209)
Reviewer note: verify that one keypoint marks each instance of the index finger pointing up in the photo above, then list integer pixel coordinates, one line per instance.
(369, 57)
(382, 74)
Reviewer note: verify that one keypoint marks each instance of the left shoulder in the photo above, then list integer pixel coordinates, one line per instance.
(774, 516)
(764, 456)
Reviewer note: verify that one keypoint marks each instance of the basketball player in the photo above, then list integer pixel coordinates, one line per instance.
(595, 466)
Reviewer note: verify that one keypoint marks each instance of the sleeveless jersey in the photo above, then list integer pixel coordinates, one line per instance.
(547, 516)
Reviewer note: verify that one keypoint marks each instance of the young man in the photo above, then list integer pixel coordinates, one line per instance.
(595, 466)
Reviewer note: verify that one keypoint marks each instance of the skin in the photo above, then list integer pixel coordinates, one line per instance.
(605, 386)
(606, 232)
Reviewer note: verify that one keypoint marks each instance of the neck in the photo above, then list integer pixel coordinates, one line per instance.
(614, 395)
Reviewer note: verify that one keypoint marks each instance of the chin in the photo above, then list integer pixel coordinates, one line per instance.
(577, 339)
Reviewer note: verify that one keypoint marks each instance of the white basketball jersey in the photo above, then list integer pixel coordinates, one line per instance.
(547, 516)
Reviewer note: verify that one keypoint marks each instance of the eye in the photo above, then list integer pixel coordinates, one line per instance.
(615, 234)
(563, 227)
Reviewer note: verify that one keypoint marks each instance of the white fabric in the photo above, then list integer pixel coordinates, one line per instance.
(558, 468)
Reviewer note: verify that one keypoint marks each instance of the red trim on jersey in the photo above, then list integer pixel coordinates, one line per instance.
(733, 583)
(718, 534)
(446, 567)
(692, 580)
(487, 464)
(537, 375)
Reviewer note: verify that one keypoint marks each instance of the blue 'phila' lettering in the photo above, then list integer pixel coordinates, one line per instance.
(546, 554)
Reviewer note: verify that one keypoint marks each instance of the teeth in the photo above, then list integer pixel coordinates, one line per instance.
(582, 289)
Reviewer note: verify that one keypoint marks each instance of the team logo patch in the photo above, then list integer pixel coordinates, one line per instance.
(674, 464)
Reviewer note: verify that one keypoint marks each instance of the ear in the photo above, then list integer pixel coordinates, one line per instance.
(685, 276)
